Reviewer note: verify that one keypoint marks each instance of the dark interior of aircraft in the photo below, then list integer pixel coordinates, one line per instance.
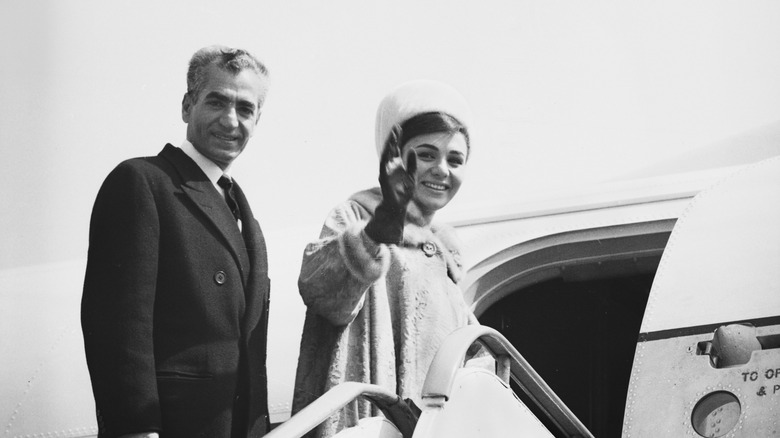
(579, 332)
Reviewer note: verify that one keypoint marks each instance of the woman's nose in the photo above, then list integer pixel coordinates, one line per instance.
(441, 169)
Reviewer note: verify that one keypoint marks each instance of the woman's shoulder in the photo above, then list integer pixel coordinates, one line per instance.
(367, 199)
(448, 236)
(358, 207)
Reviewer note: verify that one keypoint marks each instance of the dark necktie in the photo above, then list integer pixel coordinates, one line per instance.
(227, 185)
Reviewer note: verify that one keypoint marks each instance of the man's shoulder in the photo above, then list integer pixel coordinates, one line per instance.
(140, 166)
(162, 163)
(137, 169)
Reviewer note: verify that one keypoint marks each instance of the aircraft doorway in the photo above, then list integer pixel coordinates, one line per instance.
(580, 337)
(572, 304)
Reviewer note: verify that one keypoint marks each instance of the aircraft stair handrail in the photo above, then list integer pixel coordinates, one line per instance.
(451, 356)
(393, 407)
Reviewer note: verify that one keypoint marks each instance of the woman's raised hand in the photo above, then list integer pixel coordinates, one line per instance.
(396, 179)
(397, 182)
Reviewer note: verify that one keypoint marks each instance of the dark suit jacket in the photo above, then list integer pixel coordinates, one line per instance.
(175, 304)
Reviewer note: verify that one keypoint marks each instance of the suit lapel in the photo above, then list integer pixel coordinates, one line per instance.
(257, 285)
(201, 191)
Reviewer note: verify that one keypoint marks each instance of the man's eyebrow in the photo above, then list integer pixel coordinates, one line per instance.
(225, 98)
(216, 95)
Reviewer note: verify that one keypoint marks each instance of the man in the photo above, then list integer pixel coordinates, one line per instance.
(175, 304)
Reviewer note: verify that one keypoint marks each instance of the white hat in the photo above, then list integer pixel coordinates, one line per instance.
(418, 97)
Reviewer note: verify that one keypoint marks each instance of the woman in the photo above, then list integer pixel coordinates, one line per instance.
(380, 285)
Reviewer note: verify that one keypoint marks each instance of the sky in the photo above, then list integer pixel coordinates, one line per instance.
(564, 94)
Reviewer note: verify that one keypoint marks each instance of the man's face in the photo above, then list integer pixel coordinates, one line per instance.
(221, 121)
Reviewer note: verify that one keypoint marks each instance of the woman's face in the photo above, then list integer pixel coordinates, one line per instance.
(441, 167)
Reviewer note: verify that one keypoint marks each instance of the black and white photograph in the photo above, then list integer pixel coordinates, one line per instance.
(390, 219)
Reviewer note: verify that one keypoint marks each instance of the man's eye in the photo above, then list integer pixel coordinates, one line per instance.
(214, 104)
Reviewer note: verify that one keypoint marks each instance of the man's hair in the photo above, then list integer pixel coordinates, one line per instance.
(225, 58)
(431, 123)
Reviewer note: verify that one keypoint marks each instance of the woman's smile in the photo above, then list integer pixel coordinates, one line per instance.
(435, 186)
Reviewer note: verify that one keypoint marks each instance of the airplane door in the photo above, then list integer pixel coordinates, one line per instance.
(707, 361)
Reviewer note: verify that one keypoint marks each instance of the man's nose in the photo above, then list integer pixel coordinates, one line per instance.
(229, 117)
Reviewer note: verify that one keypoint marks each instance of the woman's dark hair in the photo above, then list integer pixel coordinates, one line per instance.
(430, 123)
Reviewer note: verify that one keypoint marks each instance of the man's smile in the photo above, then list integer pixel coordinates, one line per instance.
(225, 137)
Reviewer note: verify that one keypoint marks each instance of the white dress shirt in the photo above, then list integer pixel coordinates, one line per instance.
(212, 171)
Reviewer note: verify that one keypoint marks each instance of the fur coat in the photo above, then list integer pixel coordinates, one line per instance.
(375, 313)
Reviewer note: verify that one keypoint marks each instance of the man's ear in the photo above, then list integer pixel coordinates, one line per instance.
(186, 108)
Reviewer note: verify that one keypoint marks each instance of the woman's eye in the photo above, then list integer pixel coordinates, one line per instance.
(425, 156)
(455, 162)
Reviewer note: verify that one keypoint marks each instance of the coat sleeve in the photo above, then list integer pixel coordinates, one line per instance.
(338, 269)
(117, 303)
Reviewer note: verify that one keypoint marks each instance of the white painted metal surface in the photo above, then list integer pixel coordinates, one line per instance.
(722, 262)
(480, 405)
(374, 427)
(721, 266)
(460, 397)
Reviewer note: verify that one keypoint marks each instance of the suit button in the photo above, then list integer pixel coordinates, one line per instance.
(220, 277)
